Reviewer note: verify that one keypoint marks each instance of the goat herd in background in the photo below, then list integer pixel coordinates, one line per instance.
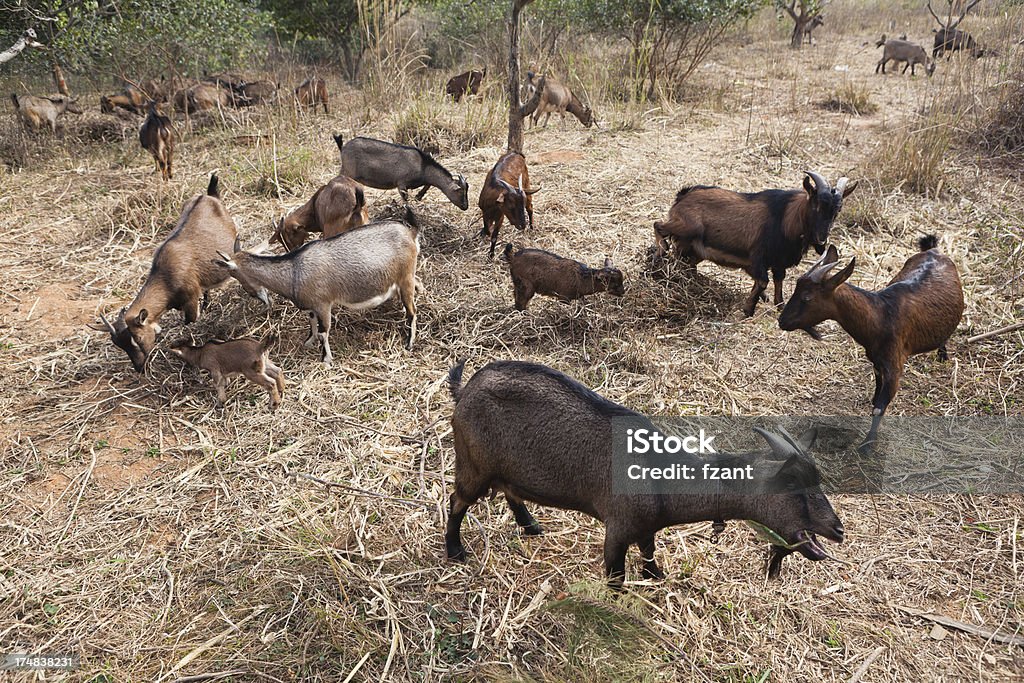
(360, 264)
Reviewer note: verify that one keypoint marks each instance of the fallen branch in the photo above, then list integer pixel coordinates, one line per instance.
(986, 633)
(995, 333)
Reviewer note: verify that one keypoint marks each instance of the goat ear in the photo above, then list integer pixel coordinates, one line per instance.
(807, 439)
(843, 275)
(852, 186)
(501, 198)
(831, 256)
(809, 186)
(141, 317)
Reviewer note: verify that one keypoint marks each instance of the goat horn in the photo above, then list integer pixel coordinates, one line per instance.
(508, 188)
(820, 184)
(532, 190)
(792, 442)
(818, 273)
(841, 185)
(520, 182)
(778, 444)
(107, 323)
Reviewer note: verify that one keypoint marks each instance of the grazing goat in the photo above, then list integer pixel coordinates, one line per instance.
(311, 92)
(535, 271)
(545, 95)
(817, 21)
(201, 97)
(36, 112)
(181, 274)
(954, 40)
(253, 93)
(358, 269)
(916, 312)
(157, 136)
(467, 82)
(758, 232)
(535, 434)
(387, 166)
(131, 99)
(335, 208)
(904, 51)
(506, 193)
(224, 359)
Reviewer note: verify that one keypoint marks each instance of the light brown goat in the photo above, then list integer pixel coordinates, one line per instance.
(335, 208)
(545, 95)
(36, 112)
(506, 193)
(225, 359)
(201, 97)
(535, 271)
(311, 92)
(157, 136)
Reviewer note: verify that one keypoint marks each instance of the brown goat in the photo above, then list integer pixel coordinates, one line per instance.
(201, 97)
(157, 136)
(311, 92)
(225, 359)
(465, 83)
(255, 92)
(36, 112)
(182, 272)
(916, 312)
(506, 193)
(130, 99)
(335, 208)
(545, 95)
(535, 271)
(758, 232)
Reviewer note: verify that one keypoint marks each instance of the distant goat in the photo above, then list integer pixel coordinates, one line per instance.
(358, 269)
(131, 99)
(954, 40)
(335, 208)
(253, 93)
(36, 112)
(157, 136)
(387, 166)
(535, 434)
(545, 95)
(465, 83)
(311, 92)
(506, 193)
(916, 312)
(535, 271)
(758, 232)
(181, 274)
(201, 97)
(817, 21)
(904, 51)
(224, 359)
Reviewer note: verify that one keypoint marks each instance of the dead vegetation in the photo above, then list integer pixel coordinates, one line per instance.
(161, 537)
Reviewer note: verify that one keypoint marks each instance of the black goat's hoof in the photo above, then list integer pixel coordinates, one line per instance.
(534, 529)
(456, 553)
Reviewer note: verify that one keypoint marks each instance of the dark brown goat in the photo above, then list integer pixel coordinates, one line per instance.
(335, 208)
(224, 359)
(465, 83)
(311, 92)
(535, 271)
(535, 434)
(182, 272)
(916, 312)
(758, 232)
(506, 193)
(157, 136)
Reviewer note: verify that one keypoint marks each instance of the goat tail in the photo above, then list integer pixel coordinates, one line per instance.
(212, 189)
(14, 98)
(339, 141)
(508, 251)
(360, 199)
(455, 380)
(410, 219)
(269, 340)
(927, 242)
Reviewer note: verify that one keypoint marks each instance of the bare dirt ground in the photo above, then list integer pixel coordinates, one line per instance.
(161, 537)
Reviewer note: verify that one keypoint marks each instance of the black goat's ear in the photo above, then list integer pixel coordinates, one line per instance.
(831, 256)
(809, 186)
(807, 439)
(843, 275)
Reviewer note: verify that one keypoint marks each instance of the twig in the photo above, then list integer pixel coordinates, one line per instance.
(994, 333)
(863, 668)
(210, 676)
(986, 633)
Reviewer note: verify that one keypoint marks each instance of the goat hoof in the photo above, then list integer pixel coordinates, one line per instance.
(457, 554)
(534, 529)
(654, 574)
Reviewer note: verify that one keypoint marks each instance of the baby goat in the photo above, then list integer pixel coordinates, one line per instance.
(535, 271)
(335, 208)
(157, 136)
(758, 232)
(535, 434)
(506, 194)
(359, 269)
(225, 359)
(180, 275)
(916, 312)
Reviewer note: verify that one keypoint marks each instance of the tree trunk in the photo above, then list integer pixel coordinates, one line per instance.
(58, 78)
(515, 114)
(797, 40)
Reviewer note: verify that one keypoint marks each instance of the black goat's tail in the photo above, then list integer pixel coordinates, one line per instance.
(508, 251)
(927, 242)
(339, 141)
(455, 380)
(212, 189)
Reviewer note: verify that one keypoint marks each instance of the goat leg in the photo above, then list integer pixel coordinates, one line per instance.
(756, 292)
(650, 569)
(615, 558)
(422, 193)
(778, 275)
(530, 526)
(457, 508)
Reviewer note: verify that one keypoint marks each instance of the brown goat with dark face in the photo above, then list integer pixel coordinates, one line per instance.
(157, 136)
(916, 312)
(224, 359)
(181, 274)
(506, 193)
(535, 271)
(311, 92)
(758, 232)
(465, 83)
(535, 434)
(335, 208)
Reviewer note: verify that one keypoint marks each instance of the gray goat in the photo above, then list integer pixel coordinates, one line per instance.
(904, 51)
(359, 269)
(387, 166)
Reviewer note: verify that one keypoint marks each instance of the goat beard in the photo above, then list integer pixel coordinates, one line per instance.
(813, 333)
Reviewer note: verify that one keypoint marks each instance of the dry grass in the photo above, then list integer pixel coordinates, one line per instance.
(162, 538)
